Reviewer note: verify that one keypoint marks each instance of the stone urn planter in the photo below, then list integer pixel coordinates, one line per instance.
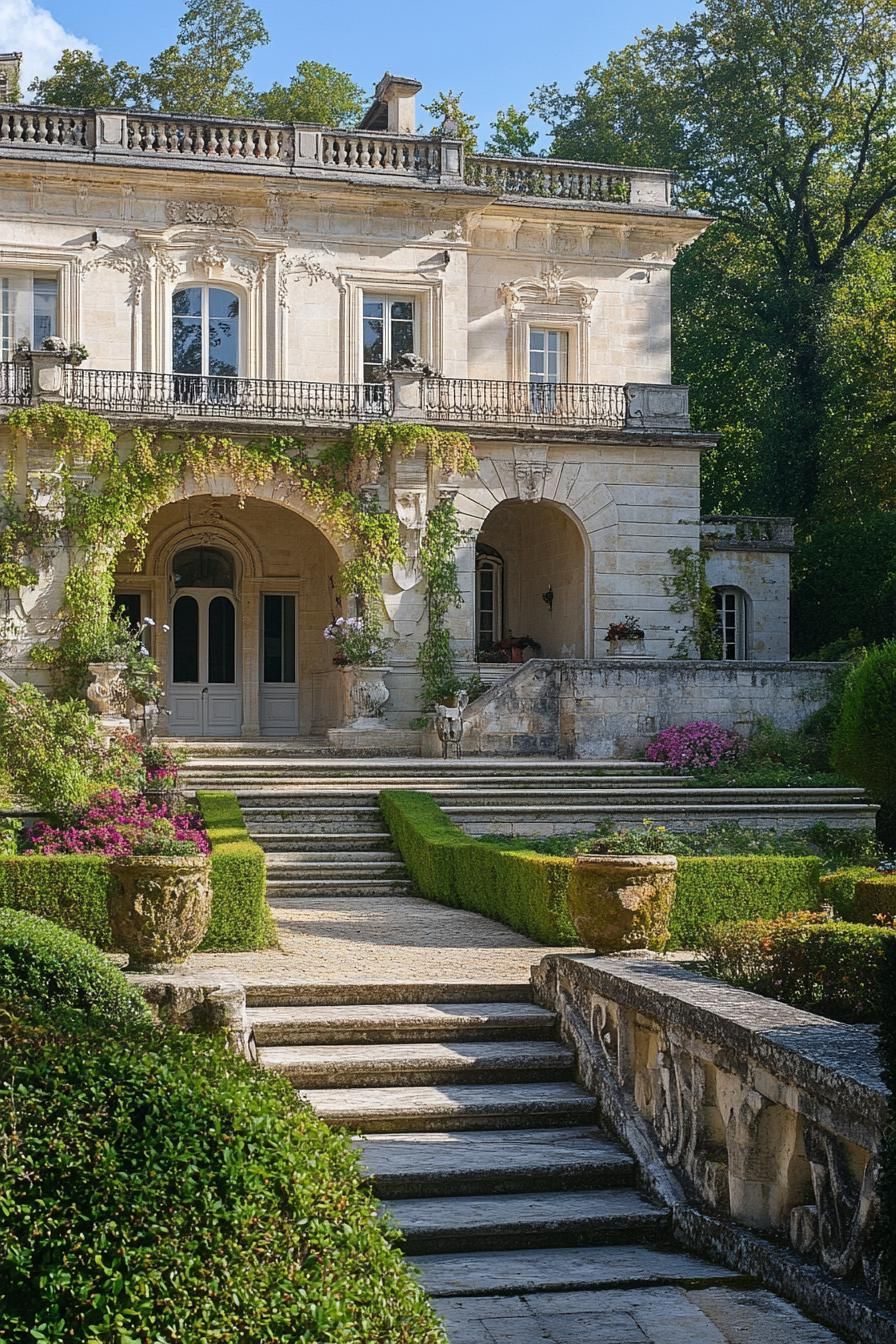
(368, 693)
(159, 908)
(625, 648)
(106, 695)
(622, 902)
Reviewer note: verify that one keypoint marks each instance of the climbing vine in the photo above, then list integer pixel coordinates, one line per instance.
(107, 492)
(438, 565)
(692, 596)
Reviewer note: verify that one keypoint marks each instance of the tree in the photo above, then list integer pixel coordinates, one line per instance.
(511, 133)
(201, 71)
(777, 116)
(446, 107)
(80, 79)
(316, 93)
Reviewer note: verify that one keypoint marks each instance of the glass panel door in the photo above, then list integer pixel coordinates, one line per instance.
(205, 697)
(279, 697)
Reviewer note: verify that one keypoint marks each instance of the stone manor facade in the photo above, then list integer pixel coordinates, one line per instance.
(259, 278)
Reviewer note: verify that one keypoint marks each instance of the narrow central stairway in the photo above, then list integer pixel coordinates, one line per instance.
(523, 1218)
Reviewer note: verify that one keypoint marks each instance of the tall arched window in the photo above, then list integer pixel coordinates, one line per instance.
(733, 623)
(205, 329)
(489, 597)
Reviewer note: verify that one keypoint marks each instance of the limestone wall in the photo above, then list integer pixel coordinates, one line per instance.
(612, 707)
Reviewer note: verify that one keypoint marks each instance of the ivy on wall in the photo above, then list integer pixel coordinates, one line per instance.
(438, 550)
(692, 596)
(106, 490)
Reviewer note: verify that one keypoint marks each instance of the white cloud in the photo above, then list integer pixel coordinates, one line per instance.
(33, 31)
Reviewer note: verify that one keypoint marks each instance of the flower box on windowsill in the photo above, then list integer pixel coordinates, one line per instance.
(626, 648)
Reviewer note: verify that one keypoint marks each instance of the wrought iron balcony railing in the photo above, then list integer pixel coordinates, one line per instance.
(465, 402)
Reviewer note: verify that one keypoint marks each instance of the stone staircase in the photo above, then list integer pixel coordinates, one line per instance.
(512, 1202)
(296, 804)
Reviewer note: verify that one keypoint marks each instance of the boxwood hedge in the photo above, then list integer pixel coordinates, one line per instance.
(241, 918)
(162, 1190)
(69, 889)
(528, 890)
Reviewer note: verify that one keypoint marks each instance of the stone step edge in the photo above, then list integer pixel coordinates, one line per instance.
(309, 993)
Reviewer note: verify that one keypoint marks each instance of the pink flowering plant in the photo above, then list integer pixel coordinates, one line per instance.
(696, 746)
(358, 639)
(118, 825)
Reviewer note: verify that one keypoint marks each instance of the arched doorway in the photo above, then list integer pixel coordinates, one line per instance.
(531, 579)
(240, 596)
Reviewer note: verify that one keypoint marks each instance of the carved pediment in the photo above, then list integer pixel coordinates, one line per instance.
(552, 287)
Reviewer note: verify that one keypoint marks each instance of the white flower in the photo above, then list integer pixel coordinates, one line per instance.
(148, 620)
(166, 628)
(144, 650)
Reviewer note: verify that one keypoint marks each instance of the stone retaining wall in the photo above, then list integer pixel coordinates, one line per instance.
(748, 1116)
(611, 707)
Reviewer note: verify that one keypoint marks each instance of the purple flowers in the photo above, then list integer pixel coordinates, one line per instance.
(115, 824)
(696, 746)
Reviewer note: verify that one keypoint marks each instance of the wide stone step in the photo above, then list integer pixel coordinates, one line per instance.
(237, 778)
(423, 1064)
(344, 1024)
(378, 1110)
(565, 1269)
(287, 888)
(302, 821)
(536, 1218)
(278, 992)
(330, 863)
(283, 839)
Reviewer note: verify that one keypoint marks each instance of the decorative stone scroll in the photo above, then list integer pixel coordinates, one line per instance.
(200, 212)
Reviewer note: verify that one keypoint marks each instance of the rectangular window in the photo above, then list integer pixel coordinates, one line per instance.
(388, 331)
(279, 639)
(29, 306)
(128, 605)
(547, 355)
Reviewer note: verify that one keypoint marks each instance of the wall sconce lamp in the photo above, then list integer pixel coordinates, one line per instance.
(95, 238)
(548, 597)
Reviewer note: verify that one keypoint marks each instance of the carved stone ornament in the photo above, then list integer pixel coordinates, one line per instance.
(410, 509)
(308, 265)
(531, 477)
(212, 258)
(137, 261)
(551, 287)
(200, 212)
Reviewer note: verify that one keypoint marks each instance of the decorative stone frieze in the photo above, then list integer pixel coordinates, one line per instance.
(200, 212)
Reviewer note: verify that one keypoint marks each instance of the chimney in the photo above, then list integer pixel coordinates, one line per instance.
(394, 106)
(10, 71)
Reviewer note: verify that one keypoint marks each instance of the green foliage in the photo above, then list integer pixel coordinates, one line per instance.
(826, 967)
(524, 890)
(874, 901)
(446, 107)
(53, 753)
(692, 596)
(80, 79)
(844, 581)
(315, 93)
(838, 888)
(45, 970)
(241, 919)
(712, 888)
(70, 889)
(863, 742)
(161, 1189)
(438, 564)
(511, 134)
(776, 117)
(508, 880)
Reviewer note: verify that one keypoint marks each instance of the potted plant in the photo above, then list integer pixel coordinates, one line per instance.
(160, 899)
(361, 650)
(621, 890)
(625, 638)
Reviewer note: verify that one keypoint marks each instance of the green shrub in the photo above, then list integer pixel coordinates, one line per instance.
(509, 881)
(713, 888)
(863, 742)
(44, 968)
(822, 966)
(241, 919)
(70, 889)
(524, 890)
(838, 889)
(160, 1189)
(875, 894)
(887, 1183)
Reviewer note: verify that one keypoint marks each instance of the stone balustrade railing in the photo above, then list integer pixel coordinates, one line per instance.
(723, 532)
(294, 148)
(750, 1118)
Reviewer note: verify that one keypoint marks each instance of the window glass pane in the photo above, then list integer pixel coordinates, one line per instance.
(279, 638)
(289, 638)
(203, 567)
(402, 338)
(373, 341)
(185, 638)
(221, 303)
(44, 299)
(373, 307)
(223, 349)
(221, 642)
(188, 302)
(187, 345)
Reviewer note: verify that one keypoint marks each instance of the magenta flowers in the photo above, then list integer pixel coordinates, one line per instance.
(116, 824)
(696, 746)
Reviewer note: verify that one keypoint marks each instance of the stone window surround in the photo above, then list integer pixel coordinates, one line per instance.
(426, 293)
(67, 271)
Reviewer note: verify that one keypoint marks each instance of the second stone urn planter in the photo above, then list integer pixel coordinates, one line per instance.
(159, 908)
(368, 693)
(622, 902)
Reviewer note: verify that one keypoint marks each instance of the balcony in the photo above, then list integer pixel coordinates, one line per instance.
(154, 139)
(464, 403)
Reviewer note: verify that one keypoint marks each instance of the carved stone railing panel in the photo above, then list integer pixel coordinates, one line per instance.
(50, 128)
(566, 180)
(767, 1116)
(729, 532)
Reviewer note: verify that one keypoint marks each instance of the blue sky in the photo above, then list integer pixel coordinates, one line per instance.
(493, 51)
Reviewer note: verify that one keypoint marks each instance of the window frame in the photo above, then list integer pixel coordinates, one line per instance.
(8, 314)
(205, 287)
(387, 298)
(734, 602)
(494, 564)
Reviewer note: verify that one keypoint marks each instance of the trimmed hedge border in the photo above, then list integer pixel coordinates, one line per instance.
(527, 891)
(72, 889)
(241, 919)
